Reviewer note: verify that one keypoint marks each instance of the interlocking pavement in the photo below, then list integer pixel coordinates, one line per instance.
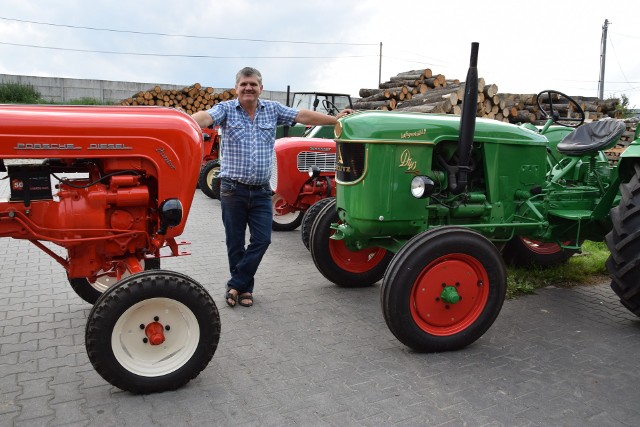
(311, 353)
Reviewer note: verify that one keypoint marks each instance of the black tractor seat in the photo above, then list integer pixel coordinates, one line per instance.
(592, 137)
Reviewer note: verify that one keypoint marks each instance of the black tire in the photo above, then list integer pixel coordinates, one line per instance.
(90, 292)
(624, 244)
(310, 216)
(115, 333)
(336, 262)
(419, 287)
(526, 253)
(288, 222)
(209, 181)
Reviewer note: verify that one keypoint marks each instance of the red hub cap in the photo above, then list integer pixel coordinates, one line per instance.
(437, 314)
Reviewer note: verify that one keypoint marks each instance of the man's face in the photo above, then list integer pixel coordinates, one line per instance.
(248, 89)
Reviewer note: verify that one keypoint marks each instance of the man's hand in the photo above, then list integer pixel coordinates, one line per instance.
(344, 112)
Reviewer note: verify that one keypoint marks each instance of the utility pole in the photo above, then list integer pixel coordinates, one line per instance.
(380, 66)
(603, 58)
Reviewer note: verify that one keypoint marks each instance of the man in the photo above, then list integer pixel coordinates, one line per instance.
(248, 127)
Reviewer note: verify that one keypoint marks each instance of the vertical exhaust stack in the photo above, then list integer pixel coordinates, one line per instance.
(467, 122)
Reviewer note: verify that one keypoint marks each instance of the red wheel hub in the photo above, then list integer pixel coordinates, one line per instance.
(155, 333)
(541, 247)
(432, 307)
(355, 261)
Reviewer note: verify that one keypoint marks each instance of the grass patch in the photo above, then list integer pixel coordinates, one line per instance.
(584, 268)
(14, 93)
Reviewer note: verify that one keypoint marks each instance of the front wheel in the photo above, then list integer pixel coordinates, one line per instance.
(286, 222)
(339, 264)
(209, 181)
(443, 289)
(310, 216)
(153, 331)
(623, 242)
(525, 252)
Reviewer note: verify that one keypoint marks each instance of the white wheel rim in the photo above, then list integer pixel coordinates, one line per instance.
(212, 175)
(286, 218)
(103, 283)
(142, 358)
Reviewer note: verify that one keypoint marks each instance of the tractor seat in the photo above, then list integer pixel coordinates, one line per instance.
(591, 137)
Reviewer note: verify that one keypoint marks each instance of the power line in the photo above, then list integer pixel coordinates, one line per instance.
(183, 35)
(183, 55)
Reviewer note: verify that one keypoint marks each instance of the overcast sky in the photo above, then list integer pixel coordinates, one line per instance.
(328, 45)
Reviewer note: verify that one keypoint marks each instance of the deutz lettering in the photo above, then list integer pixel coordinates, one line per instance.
(407, 161)
(342, 168)
(21, 146)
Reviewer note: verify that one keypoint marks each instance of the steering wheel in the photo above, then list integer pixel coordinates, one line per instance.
(553, 111)
(331, 108)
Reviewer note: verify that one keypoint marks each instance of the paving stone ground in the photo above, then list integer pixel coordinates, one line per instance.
(311, 353)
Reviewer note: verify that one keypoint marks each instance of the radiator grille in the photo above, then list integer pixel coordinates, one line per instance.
(273, 181)
(326, 162)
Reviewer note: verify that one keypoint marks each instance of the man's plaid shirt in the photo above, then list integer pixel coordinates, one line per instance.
(246, 146)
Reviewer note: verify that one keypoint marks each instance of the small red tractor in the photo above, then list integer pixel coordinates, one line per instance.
(303, 174)
(208, 181)
(106, 192)
(308, 163)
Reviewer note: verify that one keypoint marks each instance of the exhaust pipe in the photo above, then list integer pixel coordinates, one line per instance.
(458, 182)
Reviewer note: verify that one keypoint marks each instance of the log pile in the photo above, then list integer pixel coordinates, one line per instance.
(190, 99)
(613, 155)
(422, 91)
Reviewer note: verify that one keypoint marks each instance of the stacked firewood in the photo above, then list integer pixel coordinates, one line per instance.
(190, 99)
(422, 91)
(613, 154)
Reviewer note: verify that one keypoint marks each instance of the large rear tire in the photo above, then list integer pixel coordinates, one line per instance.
(443, 289)
(310, 216)
(152, 331)
(336, 262)
(624, 244)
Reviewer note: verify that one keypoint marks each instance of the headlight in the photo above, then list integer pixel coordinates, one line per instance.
(314, 171)
(337, 130)
(421, 187)
(170, 214)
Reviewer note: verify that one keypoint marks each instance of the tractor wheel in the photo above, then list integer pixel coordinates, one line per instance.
(286, 222)
(524, 252)
(90, 292)
(336, 262)
(153, 331)
(209, 181)
(443, 289)
(310, 216)
(624, 262)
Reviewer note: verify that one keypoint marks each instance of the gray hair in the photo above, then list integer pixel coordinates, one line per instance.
(249, 72)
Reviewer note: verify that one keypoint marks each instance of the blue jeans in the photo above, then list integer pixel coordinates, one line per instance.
(244, 205)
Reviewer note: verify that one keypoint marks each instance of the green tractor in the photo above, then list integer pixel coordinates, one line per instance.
(434, 204)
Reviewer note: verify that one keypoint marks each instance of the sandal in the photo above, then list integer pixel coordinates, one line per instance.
(228, 297)
(245, 297)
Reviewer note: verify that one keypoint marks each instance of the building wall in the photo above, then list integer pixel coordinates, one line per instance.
(58, 89)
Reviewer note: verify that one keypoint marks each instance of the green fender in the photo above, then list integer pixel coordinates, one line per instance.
(627, 158)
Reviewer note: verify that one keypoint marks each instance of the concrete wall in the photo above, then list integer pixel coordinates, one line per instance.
(63, 90)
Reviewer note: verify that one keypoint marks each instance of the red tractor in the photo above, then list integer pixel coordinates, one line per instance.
(303, 174)
(106, 192)
(308, 164)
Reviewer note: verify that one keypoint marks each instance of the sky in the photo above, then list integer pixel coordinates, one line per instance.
(328, 45)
